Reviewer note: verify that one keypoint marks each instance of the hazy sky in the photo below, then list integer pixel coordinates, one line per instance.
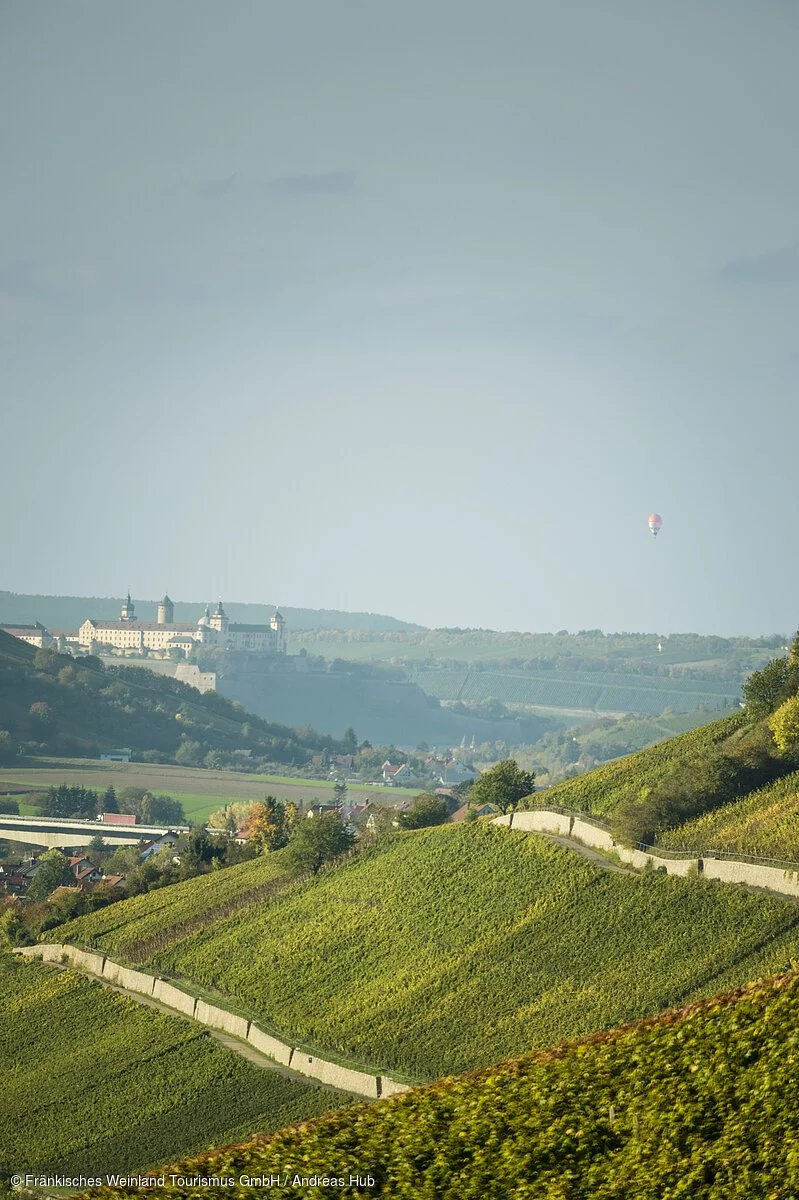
(417, 308)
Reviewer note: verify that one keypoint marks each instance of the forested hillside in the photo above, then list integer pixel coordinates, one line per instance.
(695, 1103)
(448, 948)
(51, 703)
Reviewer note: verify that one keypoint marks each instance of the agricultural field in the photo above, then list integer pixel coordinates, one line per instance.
(449, 948)
(200, 791)
(111, 1085)
(600, 691)
(690, 1104)
(764, 823)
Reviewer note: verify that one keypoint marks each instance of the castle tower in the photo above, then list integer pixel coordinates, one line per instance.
(278, 625)
(219, 619)
(127, 612)
(204, 633)
(166, 612)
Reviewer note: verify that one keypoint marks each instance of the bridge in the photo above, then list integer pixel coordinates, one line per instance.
(65, 832)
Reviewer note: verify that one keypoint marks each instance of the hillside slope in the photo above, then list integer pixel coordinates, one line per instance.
(448, 948)
(692, 1104)
(622, 781)
(110, 1085)
(54, 703)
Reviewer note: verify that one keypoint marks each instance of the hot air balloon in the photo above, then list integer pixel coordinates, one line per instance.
(655, 522)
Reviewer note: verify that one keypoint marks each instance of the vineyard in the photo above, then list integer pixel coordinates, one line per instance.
(693, 1104)
(600, 691)
(114, 1086)
(625, 780)
(765, 823)
(452, 947)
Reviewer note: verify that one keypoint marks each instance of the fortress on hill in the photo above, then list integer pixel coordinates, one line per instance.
(166, 635)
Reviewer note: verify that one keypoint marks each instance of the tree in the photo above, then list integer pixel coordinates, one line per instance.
(66, 801)
(161, 810)
(427, 809)
(268, 825)
(317, 840)
(110, 802)
(765, 690)
(784, 724)
(349, 742)
(130, 799)
(505, 786)
(53, 870)
(8, 747)
(340, 792)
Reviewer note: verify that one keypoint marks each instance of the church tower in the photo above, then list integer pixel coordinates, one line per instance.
(127, 612)
(166, 612)
(278, 625)
(219, 619)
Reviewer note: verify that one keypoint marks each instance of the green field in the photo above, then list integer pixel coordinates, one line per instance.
(448, 948)
(199, 790)
(695, 1104)
(111, 1085)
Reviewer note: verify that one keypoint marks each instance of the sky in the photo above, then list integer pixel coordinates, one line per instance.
(414, 308)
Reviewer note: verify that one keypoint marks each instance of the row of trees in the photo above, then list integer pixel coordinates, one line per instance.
(73, 800)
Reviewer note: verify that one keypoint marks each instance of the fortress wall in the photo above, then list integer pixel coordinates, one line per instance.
(269, 1045)
(218, 1018)
(174, 997)
(339, 1077)
(390, 1087)
(774, 878)
(134, 981)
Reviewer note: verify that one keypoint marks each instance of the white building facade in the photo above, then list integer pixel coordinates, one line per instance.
(165, 635)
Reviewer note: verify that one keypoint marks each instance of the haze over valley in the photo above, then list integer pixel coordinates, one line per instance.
(399, 666)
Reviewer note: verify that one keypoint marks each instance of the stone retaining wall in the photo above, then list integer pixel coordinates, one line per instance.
(731, 871)
(134, 981)
(335, 1075)
(269, 1046)
(390, 1087)
(348, 1080)
(774, 879)
(219, 1018)
(174, 997)
(83, 960)
(52, 952)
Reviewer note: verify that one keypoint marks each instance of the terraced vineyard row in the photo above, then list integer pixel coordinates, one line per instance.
(453, 947)
(693, 1104)
(765, 823)
(113, 1086)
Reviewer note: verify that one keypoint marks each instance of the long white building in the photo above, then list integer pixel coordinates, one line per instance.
(165, 634)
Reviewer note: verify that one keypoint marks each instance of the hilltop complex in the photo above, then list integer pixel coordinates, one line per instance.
(164, 635)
